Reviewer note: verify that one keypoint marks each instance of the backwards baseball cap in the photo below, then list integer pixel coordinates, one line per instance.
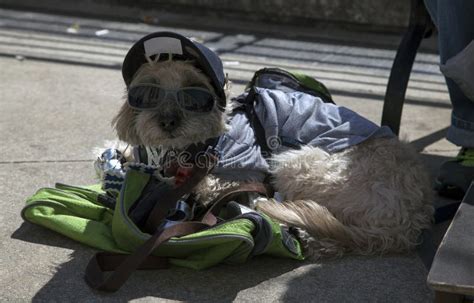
(181, 48)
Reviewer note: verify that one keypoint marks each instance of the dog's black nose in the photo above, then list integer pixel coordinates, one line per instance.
(169, 123)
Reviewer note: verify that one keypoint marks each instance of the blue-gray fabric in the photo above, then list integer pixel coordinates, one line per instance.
(289, 119)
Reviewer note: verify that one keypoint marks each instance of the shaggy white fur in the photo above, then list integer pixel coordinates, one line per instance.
(369, 199)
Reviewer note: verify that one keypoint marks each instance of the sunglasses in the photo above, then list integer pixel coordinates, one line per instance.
(149, 96)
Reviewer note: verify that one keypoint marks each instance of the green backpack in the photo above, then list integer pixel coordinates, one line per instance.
(78, 213)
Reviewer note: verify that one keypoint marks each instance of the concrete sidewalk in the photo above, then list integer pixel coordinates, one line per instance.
(59, 91)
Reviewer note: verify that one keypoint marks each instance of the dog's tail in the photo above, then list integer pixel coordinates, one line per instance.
(329, 237)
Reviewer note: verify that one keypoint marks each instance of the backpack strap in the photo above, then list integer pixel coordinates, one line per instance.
(124, 265)
(234, 194)
(248, 106)
(168, 196)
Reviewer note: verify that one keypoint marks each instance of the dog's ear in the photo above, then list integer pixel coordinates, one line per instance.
(124, 124)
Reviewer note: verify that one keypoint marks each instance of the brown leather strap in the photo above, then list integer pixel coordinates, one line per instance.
(124, 265)
(167, 200)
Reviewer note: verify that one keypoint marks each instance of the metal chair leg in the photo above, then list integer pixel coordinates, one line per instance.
(402, 65)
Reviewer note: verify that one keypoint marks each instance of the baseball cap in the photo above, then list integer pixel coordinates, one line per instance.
(182, 48)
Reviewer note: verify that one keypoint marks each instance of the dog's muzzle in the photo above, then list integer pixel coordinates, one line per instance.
(169, 123)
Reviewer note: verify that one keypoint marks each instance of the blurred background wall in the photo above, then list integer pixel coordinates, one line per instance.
(373, 14)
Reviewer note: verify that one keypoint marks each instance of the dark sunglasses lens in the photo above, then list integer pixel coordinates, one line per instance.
(196, 100)
(143, 97)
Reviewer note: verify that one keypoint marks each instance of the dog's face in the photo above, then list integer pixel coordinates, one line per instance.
(169, 125)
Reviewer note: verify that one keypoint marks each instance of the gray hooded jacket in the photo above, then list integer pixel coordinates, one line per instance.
(289, 119)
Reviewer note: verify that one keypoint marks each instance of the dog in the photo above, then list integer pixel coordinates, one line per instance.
(371, 198)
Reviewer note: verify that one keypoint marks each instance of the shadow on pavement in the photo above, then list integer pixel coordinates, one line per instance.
(219, 284)
(429, 139)
(361, 279)
(35, 234)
